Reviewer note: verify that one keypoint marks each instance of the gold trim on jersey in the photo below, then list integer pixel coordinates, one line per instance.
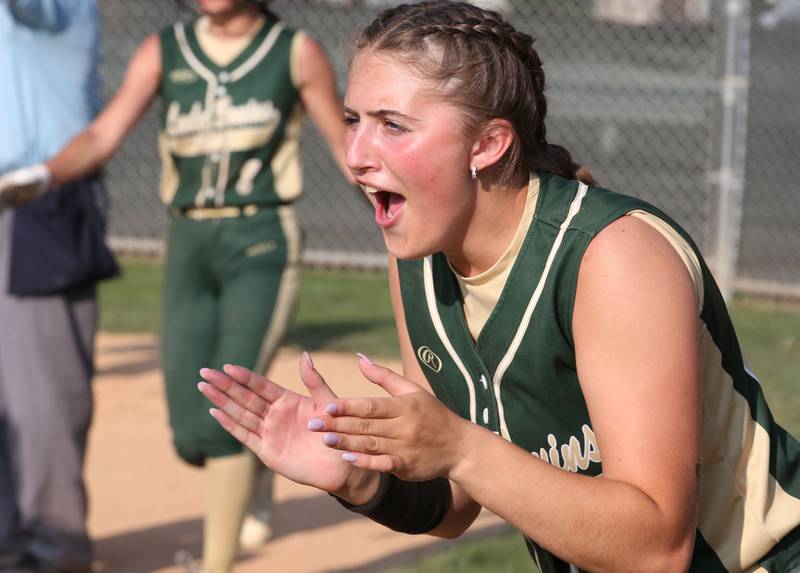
(194, 63)
(259, 54)
(296, 57)
(683, 249)
(481, 292)
(508, 358)
(170, 179)
(288, 289)
(735, 481)
(243, 69)
(224, 50)
(433, 311)
(286, 167)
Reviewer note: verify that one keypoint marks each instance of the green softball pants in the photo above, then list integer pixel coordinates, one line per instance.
(230, 291)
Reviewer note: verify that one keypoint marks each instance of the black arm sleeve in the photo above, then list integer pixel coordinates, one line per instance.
(407, 506)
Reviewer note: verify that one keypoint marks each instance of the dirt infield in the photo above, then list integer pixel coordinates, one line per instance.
(146, 504)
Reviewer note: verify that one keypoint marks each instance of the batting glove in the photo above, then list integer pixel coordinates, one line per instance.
(20, 186)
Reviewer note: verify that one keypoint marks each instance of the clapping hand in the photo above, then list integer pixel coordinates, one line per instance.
(410, 433)
(273, 422)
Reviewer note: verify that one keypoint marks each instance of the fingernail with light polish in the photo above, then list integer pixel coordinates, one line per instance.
(308, 360)
(315, 424)
(330, 439)
(348, 457)
(364, 358)
(331, 409)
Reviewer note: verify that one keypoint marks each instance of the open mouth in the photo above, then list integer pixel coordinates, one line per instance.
(387, 204)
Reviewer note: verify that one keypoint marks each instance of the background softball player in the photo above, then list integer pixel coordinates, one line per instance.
(233, 84)
(591, 390)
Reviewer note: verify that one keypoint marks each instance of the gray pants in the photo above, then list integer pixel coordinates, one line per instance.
(46, 346)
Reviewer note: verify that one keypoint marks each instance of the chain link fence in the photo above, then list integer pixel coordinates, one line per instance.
(690, 104)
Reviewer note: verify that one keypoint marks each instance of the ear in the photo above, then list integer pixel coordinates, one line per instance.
(493, 140)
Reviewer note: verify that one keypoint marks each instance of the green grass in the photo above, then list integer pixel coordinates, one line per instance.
(132, 303)
(504, 553)
(769, 333)
(348, 312)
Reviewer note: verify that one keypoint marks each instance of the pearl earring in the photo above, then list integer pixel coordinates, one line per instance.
(473, 172)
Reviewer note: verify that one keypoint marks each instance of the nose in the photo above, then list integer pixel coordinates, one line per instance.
(360, 155)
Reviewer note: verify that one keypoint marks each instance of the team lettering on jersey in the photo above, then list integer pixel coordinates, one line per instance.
(222, 116)
(573, 455)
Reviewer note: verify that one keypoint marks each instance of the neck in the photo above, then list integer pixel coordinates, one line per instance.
(236, 22)
(498, 212)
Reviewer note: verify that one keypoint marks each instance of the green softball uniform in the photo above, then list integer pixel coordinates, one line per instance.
(519, 379)
(229, 146)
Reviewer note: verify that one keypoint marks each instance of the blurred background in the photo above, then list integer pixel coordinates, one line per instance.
(690, 104)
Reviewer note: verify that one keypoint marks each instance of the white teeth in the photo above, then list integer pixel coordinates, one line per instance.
(390, 215)
(370, 190)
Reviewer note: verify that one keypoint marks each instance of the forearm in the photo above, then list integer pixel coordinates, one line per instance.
(360, 487)
(91, 149)
(463, 512)
(597, 524)
(436, 507)
(83, 155)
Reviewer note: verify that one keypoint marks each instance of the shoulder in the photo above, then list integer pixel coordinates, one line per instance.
(630, 261)
(627, 241)
(170, 30)
(150, 50)
(309, 59)
(145, 65)
(586, 208)
(151, 43)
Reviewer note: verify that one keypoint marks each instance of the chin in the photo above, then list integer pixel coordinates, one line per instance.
(405, 250)
(217, 7)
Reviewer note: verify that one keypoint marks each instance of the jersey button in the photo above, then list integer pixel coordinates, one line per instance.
(215, 157)
(486, 416)
(221, 91)
(224, 77)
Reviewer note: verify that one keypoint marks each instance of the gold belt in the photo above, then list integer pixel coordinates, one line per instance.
(205, 213)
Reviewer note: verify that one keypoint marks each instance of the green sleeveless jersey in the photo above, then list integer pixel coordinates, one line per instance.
(229, 135)
(519, 380)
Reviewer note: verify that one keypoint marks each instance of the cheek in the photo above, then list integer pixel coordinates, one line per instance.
(433, 163)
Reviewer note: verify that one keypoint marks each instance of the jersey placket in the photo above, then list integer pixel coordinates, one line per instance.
(462, 350)
(219, 158)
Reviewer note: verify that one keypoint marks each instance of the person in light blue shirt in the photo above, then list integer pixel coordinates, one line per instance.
(49, 92)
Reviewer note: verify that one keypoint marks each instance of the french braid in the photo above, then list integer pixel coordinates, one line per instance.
(482, 64)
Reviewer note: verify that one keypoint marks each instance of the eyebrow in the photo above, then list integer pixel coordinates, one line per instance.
(384, 113)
